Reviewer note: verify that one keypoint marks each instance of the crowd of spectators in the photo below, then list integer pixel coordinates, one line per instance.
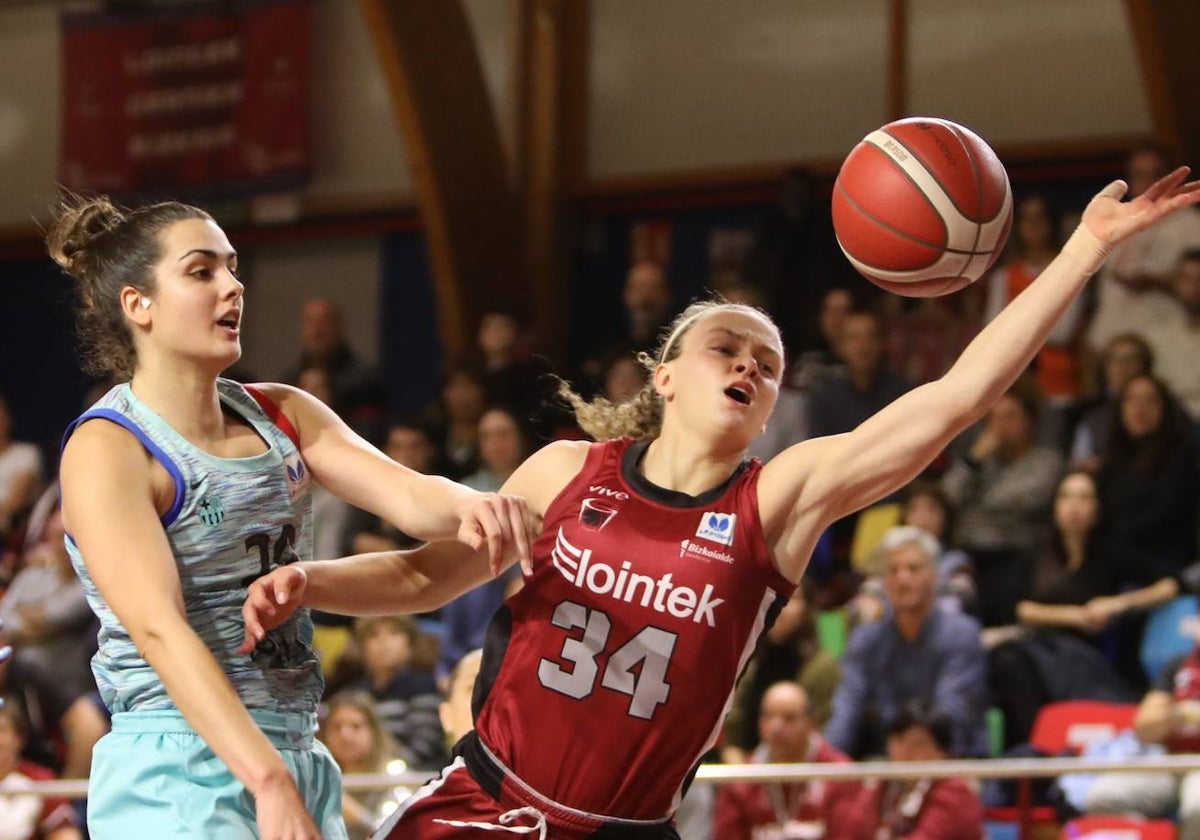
(1016, 572)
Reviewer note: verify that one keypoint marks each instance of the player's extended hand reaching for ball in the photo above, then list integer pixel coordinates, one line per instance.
(1110, 220)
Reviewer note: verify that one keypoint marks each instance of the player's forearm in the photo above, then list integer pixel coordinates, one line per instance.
(390, 582)
(430, 507)
(1006, 346)
(203, 694)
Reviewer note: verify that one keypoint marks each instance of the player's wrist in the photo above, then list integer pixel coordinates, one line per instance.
(1086, 250)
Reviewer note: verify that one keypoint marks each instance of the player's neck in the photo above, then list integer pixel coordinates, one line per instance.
(184, 397)
(674, 463)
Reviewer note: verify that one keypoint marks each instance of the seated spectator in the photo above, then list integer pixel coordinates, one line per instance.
(358, 744)
(1148, 481)
(27, 817)
(924, 505)
(914, 809)
(512, 376)
(331, 515)
(504, 443)
(916, 652)
(813, 364)
(1125, 356)
(791, 651)
(1131, 288)
(455, 712)
(461, 403)
(20, 473)
(412, 442)
(1072, 596)
(357, 392)
(841, 400)
(52, 630)
(1003, 488)
(1176, 339)
(1169, 714)
(762, 810)
(406, 696)
(1058, 365)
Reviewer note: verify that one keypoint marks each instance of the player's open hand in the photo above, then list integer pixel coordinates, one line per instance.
(270, 602)
(502, 524)
(1112, 220)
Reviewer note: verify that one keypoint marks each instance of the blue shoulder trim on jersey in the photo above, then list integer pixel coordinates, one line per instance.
(153, 448)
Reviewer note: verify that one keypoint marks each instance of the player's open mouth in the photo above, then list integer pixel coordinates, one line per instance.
(737, 395)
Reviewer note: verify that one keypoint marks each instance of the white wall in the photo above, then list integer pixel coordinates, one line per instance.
(687, 84)
(1028, 70)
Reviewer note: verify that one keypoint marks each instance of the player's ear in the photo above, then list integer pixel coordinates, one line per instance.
(663, 381)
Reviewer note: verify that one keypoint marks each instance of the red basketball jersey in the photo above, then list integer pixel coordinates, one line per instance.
(609, 674)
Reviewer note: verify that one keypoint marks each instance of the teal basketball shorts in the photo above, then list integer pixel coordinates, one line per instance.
(154, 777)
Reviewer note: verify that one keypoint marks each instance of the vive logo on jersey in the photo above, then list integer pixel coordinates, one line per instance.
(718, 527)
(659, 594)
(297, 475)
(212, 512)
(601, 490)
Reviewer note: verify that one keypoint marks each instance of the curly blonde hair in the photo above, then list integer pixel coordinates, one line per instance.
(640, 417)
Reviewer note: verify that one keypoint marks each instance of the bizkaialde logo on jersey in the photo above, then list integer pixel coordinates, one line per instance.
(690, 548)
(718, 527)
(659, 594)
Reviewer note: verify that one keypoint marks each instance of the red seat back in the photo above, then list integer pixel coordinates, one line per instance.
(1073, 724)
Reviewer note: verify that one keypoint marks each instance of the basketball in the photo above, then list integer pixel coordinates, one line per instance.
(922, 207)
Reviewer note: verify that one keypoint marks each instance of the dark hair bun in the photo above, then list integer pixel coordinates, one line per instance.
(79, 223)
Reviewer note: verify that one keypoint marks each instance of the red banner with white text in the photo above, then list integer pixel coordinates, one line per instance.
(204, 101)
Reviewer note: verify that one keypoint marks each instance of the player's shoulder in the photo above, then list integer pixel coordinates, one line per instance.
(561, 456)
(99, 442)
(546, 472)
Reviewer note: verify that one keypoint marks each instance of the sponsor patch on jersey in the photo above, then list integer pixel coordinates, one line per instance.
(718, 527)
(688, 548)
(297, 475)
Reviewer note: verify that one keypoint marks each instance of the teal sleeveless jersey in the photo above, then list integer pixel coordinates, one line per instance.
(232, 520)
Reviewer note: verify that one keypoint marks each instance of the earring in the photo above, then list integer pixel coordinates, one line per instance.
(146, 302)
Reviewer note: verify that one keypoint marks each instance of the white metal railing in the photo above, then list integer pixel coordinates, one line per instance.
(992, 768)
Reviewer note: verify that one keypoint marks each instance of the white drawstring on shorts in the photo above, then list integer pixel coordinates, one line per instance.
(506, 820)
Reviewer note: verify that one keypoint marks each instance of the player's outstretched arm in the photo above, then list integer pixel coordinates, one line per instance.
(427, 507)
(414, 581)
(816, 482)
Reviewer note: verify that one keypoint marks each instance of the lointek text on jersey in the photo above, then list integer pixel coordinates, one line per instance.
(660, 594)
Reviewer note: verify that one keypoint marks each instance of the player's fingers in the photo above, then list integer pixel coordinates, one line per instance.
(253, 628)
(518, 511)
(288, 584)
(493, 531)
(1166, 184)
(1116, 190)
